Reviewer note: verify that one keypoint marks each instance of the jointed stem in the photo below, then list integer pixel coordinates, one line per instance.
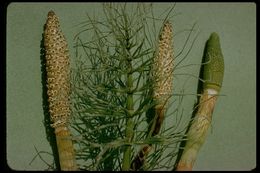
(130, 111)
(213, 73)
(198, 130)
(66, 150)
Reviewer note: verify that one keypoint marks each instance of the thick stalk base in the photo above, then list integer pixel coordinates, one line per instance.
(65, 149)
(198, 130)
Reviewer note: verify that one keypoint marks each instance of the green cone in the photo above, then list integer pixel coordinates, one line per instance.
(214, 67)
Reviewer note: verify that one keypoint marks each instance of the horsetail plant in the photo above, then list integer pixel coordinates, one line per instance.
(121, 89)
(115, 89)
(162, 77)
(58, 84)
(213, 73)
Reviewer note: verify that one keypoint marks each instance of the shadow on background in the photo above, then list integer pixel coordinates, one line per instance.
(195, 109)
(48, 129)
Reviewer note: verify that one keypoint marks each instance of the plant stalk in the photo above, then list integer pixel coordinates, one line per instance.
(58, 84)
(130, 110)
(162, 74)
(213, 73)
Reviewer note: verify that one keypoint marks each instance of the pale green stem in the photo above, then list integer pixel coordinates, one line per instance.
(129, 119)
(213, 76)
(198, 130)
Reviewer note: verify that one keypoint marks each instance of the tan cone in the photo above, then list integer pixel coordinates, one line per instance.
(58, 84)
(163, 66)
(162, 75)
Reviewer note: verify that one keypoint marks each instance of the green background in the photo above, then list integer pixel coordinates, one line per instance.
(231, 144)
